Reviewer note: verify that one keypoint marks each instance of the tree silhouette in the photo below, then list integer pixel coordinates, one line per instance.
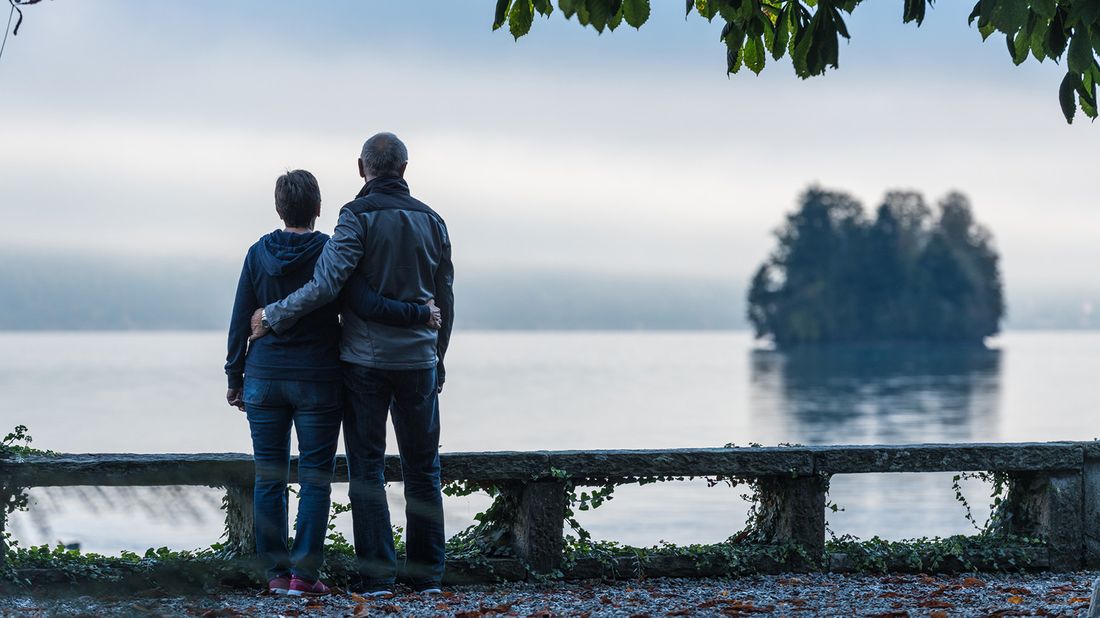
(910, 274)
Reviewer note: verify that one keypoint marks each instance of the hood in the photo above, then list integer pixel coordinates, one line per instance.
(282, 252)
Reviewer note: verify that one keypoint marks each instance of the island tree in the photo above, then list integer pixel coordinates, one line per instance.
(910, 273)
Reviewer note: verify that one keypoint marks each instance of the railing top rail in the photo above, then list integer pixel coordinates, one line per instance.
(226, 469)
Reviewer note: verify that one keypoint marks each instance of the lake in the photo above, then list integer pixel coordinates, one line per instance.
(164, 392)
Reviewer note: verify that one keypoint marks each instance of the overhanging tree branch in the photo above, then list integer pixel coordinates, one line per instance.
(809, 32)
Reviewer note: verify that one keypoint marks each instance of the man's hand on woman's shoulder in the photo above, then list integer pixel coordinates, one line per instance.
(258, 328)
(436, 319)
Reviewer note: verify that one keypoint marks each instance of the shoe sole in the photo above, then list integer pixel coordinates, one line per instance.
(303, 593)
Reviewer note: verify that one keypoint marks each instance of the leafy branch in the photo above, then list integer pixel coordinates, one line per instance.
(809, 32)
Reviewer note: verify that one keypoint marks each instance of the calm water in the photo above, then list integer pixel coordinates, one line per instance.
(164, 392)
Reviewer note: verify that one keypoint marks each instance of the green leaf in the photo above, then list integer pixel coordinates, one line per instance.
(520, 18)
(616, 18)
(987, 30)
(599, 13)
(734, 58)
(1065, 95)
(1019, 47)
(1080, 50)
(1038, 39)
(544, 7)
(1044, 8)
(568, 7)
(1009, 15)
(755, 55)
(782, 33)
(636, 12)
(974, 13)
(690, 5)
(501, 13)
(1056, 37)
(707, 8)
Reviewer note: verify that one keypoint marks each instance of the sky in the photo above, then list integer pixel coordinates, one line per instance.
(148, 130)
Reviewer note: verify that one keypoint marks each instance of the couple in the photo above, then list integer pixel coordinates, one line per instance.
(346, 330)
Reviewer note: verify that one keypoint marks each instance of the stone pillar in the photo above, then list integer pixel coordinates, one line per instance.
(1049, 506)
(240, 525)
(1091, 512)
(792, 510)
(5, 496)
(537, 530)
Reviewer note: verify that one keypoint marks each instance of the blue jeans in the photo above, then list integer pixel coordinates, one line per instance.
(315, 410)
(415, 408)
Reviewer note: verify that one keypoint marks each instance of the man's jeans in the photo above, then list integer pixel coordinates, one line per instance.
(315, 410)
(416, 422)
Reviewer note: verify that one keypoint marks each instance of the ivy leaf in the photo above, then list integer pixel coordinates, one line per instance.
(636, 12)
(520, 18)
(1065, 95)
(501, 13)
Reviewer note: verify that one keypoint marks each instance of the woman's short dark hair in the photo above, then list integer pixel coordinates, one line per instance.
(297, 198)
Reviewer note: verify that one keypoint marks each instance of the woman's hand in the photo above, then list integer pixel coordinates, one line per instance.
(233, 396)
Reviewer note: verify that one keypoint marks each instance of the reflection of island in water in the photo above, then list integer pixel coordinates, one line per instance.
(878, 393)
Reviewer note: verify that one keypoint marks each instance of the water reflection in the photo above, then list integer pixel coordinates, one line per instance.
(867, 394)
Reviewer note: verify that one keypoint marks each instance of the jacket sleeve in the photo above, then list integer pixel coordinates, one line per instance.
(368, 304)
(338, 260)
(240, 327)
(445, 300)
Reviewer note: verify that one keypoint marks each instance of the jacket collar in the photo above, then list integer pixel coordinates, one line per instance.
(384, 184)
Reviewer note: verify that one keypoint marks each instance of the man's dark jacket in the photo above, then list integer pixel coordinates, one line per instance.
(399, 247)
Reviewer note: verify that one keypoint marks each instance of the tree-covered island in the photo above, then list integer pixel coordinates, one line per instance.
(909, 274)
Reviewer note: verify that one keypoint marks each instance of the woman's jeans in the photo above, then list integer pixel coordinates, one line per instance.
(315, 410)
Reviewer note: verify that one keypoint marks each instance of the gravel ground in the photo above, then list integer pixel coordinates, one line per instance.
(1057, 594)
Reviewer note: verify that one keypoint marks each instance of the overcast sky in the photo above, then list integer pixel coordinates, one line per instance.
(158, 128)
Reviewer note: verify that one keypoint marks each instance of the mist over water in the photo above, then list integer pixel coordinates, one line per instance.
(163, 392)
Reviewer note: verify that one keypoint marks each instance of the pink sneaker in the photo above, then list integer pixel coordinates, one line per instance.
(300, 587)
(279, 585)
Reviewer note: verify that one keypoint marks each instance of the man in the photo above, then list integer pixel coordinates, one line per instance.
(401, 248)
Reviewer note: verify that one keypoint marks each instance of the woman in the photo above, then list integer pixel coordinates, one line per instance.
(293, 379)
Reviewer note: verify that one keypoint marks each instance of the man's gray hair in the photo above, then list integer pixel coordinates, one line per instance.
(384, 154)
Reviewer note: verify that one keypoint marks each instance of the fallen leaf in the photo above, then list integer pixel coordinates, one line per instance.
(1080, 600)
(891, 595)
(937, 614)
(972, 582)
(935, 604)
(1015, 599)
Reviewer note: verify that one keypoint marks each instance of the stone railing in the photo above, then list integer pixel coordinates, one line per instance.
(1054, 489)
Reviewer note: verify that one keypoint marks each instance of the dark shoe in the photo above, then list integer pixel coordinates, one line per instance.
(300, 587)
(279, 585)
